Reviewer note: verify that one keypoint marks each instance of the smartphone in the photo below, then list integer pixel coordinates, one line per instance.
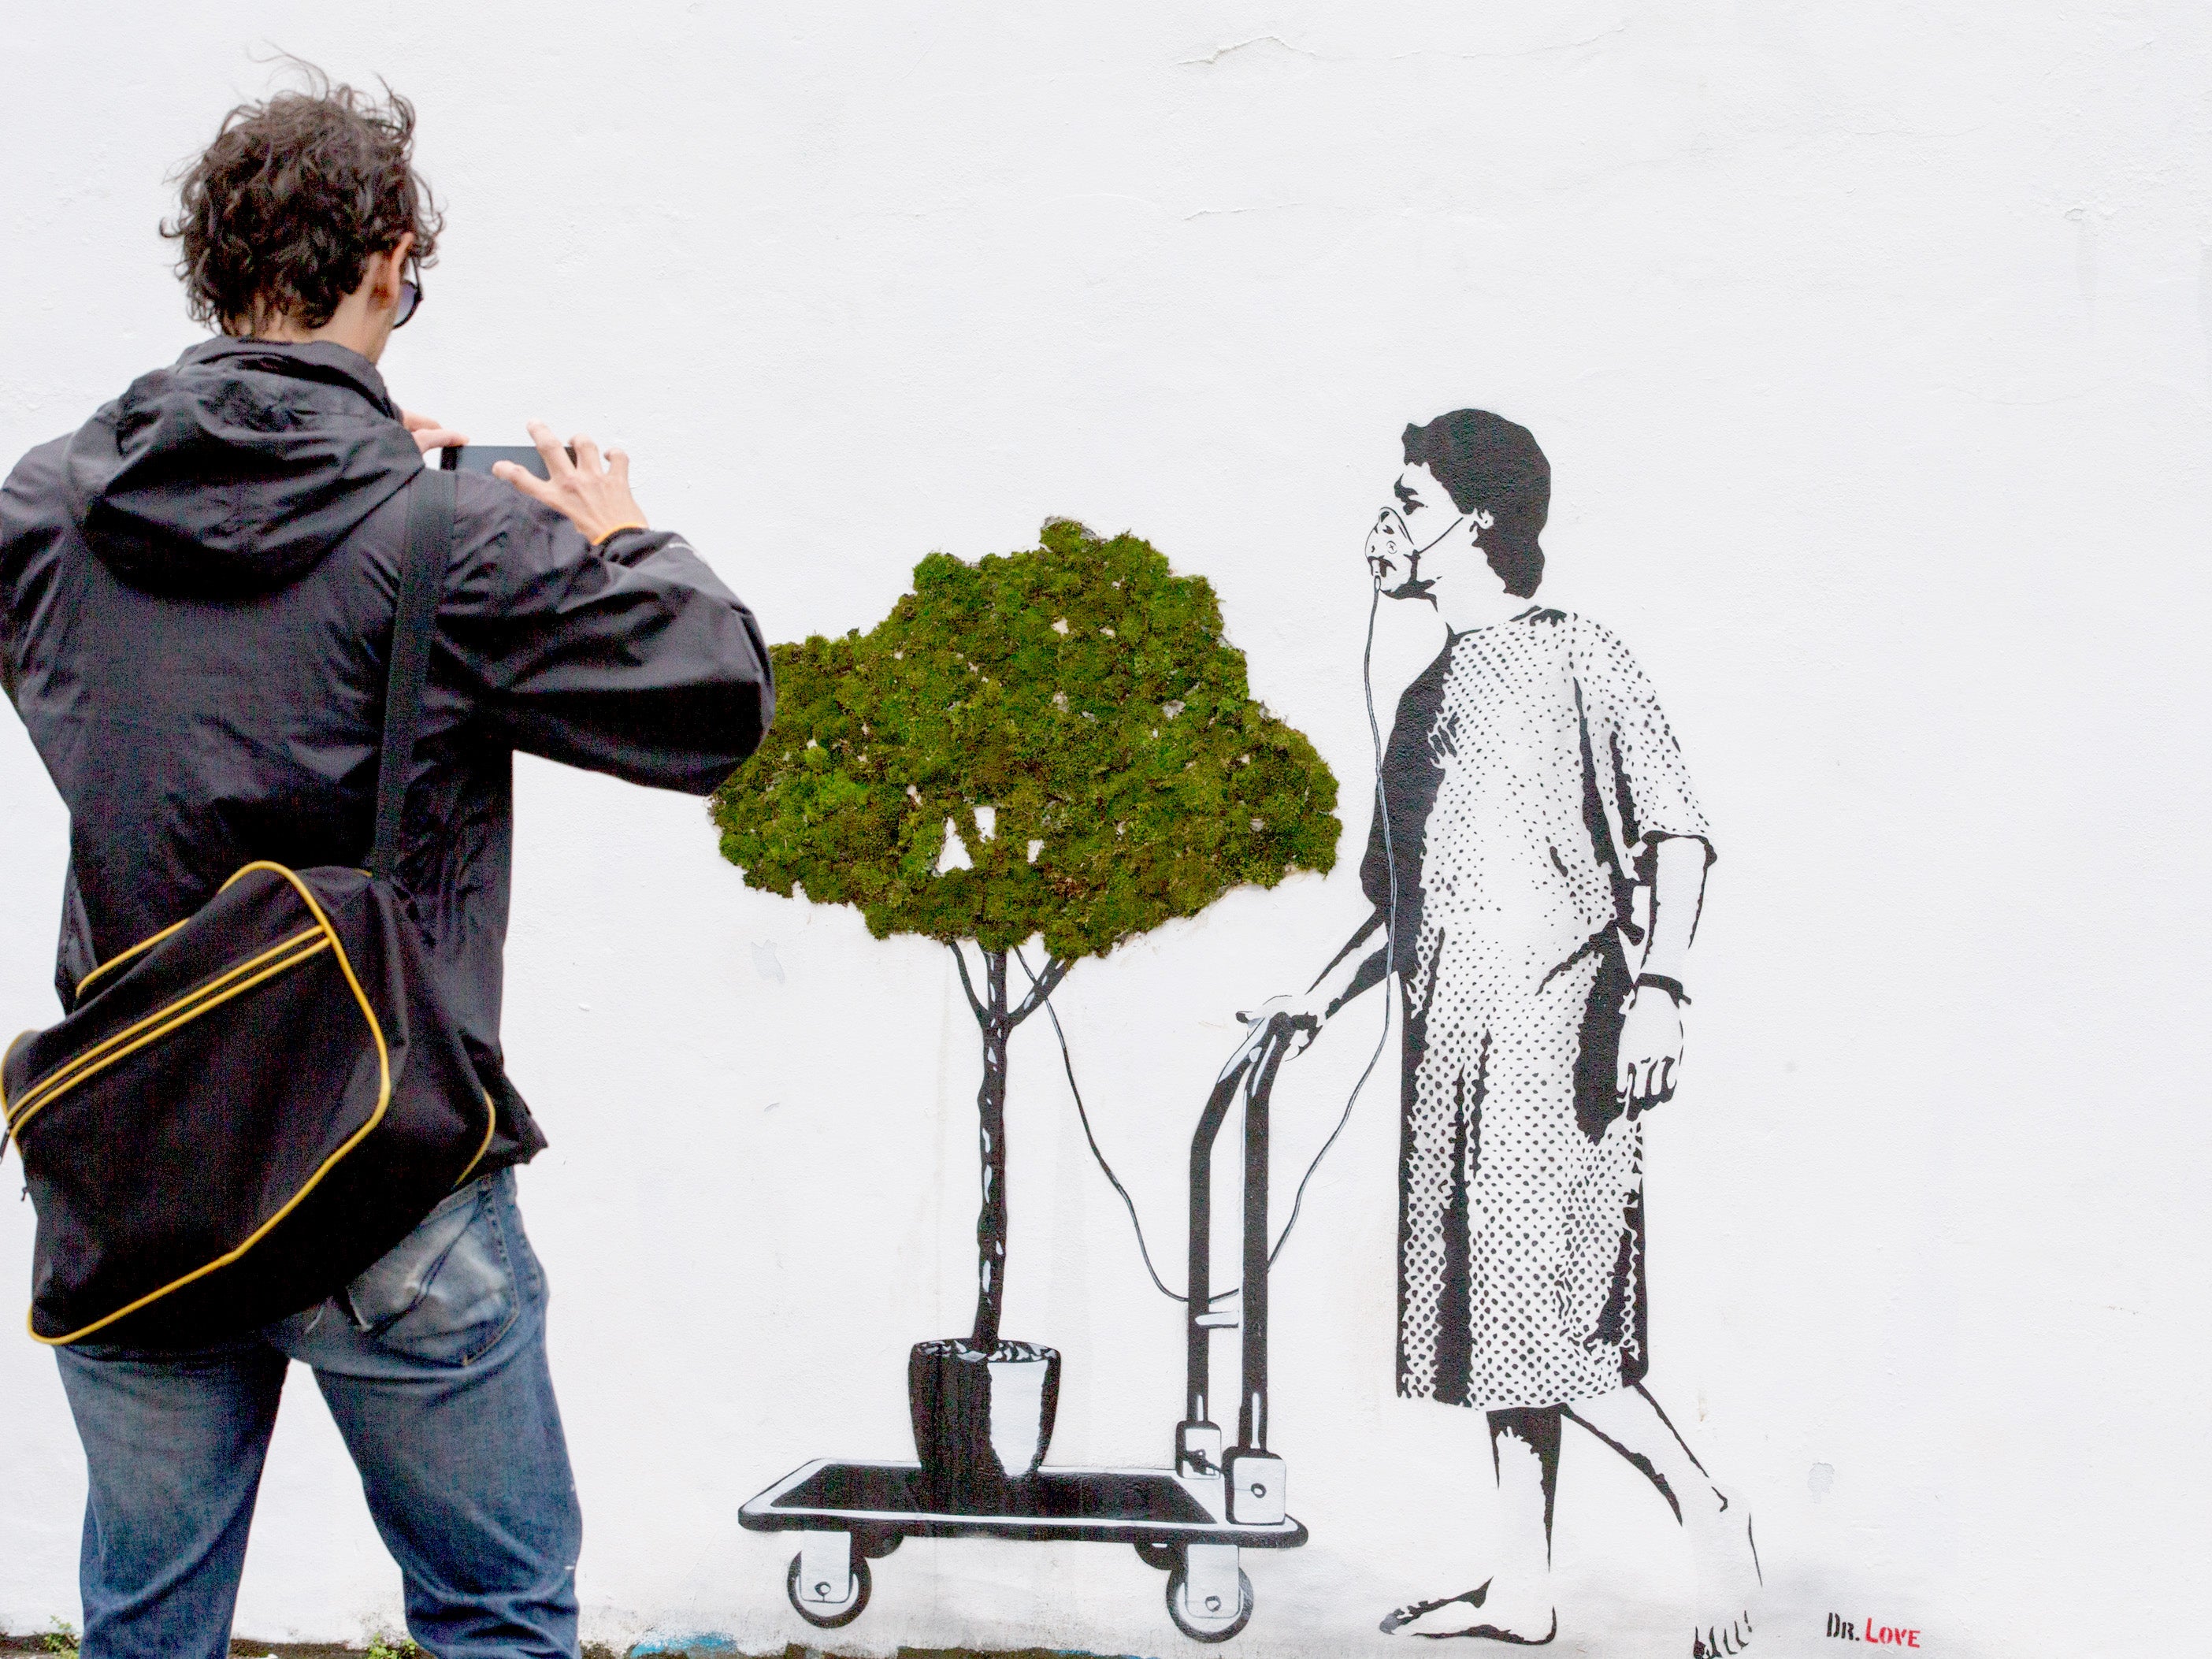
(480, 457)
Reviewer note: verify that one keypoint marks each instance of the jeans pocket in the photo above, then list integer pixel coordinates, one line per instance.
(447, 1291)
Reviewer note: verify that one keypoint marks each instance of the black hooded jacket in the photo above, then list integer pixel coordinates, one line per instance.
(197, 592)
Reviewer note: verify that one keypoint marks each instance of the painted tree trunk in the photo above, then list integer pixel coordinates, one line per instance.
(991, 1115)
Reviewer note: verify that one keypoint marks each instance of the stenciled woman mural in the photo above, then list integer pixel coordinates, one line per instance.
(1537, 865)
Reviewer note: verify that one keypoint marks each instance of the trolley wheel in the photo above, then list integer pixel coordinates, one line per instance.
(831, 1618)
(877, 1545)
(1159, 1554)
(1209, 1623)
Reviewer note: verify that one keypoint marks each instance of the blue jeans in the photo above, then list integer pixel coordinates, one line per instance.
(433, 1364)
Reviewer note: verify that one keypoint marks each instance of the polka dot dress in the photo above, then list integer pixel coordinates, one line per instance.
(1527, 770)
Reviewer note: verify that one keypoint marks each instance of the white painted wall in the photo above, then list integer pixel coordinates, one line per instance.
(1869, 345)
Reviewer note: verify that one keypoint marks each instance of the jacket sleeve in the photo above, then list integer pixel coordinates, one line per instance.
(30, 524)
(630, 657)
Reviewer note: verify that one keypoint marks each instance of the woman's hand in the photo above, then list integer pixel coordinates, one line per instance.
(1308, 1014)
(1650, 1050)
(1346, 977)
(428, 434)
(595, 498)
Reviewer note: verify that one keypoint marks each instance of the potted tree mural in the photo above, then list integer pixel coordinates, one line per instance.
(1056, 743)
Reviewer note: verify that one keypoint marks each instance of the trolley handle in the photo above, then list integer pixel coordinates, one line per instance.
(1250, 1071)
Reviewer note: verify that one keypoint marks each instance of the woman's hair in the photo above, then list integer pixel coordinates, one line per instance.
(1488, 464)
(281, 212)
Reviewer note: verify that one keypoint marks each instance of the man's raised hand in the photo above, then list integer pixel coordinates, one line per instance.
(428, 434)
(593, 496)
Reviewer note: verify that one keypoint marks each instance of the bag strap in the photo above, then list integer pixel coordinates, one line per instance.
(422, 566)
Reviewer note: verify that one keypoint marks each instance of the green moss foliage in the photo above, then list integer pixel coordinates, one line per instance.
(1082, 691)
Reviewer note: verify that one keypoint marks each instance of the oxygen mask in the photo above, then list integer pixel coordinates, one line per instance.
(1394, 556)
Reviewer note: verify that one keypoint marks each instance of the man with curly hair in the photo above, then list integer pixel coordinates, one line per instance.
(196, 596)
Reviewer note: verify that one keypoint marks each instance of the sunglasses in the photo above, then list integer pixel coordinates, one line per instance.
(411, 299)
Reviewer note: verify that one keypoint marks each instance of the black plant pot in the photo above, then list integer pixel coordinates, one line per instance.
(981, 1421)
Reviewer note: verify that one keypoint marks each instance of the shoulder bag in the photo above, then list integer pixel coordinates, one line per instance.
(241, 1114)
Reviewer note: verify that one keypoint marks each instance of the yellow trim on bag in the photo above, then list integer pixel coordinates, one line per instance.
(185, 1019)
(153, 940)
(7, 1128)
(57, 1083)
(21, 1037)
(491, 1126)
(383, 1103)
(122, 956)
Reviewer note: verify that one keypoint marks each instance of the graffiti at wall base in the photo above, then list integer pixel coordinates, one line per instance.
(1059, 744)
(1056, 745)
(1536, 869)
(1846, 1629)
(1191, 1521)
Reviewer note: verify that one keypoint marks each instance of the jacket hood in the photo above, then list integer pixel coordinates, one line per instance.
(239, 467)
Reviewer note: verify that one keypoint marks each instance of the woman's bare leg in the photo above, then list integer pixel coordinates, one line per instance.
(1524, 1449)
(1718, 1526)
(1514, 1604)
